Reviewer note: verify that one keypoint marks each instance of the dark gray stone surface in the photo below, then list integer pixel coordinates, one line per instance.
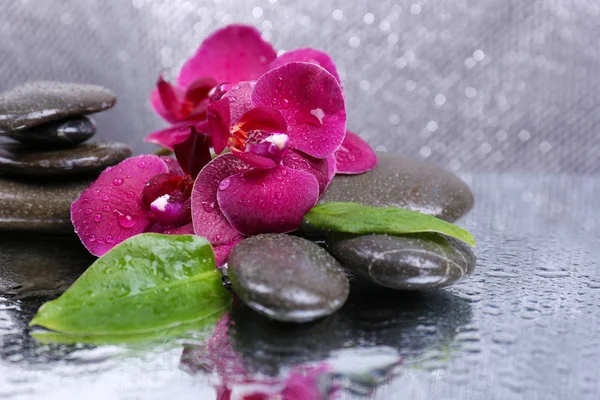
(38, 102)
(408, 262)
(407, 183)
(65, 133)
(38, 206)
(86, 158)
(287, 278)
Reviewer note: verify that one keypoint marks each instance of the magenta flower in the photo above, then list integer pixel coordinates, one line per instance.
(282, 133)
(141, 194)
(233, 54)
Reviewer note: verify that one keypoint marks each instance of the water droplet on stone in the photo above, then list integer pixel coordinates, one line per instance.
(117, 182)
(225, 184)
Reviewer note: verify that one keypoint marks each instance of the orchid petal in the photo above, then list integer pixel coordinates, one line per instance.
(254, 160)
(208, 219)
(222, 252)
(111, 210)
(309, 55)
(265, 119)
(173, 165)
(272, 200)
(355, 156)
(312, 102)
(240, 100)
(316, 166)
(193, 153)
(187, 229)
(168, 137)
(331, 167)
(233, 54)
(199, 90)
(218, 118)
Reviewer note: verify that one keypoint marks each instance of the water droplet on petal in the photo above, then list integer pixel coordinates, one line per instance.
(130, 194)
(126, 221)
(284, 171)
(285, 103)
(100, 240)
(304, 80)
(88, 211)
(278, 195)
(105, 198)
(109, 239)
(92, 237)
(279, 83)
(225, 184)
(106, 208)
(141, 164)
(97, 218)
(117, 182)
(96, 191)
(208, 207)
(232, 99)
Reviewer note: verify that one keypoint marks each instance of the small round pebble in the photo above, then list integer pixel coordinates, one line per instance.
(406, 262)
(56, 134)
(287, 278)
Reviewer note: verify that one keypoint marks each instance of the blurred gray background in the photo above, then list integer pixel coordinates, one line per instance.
(489, 85)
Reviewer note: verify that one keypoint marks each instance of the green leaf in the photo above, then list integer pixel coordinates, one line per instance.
(149, 285)
(360, 219)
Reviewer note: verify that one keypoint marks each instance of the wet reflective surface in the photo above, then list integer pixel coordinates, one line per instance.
(526, 325)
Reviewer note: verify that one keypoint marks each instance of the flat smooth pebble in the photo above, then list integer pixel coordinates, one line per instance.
(287, 278)
(41, 207)
(407, 262)
(38, 102)
(83, 159)
(55, 134)
(406, 183)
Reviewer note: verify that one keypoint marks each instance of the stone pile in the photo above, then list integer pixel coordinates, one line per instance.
(46, 161)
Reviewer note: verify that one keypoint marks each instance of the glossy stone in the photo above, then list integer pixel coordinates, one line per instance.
(64, 133)
(287, 278)
(83, 159)
(35, 206)
(407, 262)
(407, 183)
(35, 103)
(40, 265)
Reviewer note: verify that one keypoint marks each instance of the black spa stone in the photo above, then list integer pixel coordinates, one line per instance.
(35, 103)
(56, 134)
(287, 278)
(406, 262)
(86, 158)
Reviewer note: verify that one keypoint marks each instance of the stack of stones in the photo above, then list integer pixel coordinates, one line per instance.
(298, 278)
(45, 159)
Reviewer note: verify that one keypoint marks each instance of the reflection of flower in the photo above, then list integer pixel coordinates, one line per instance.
(303, 382)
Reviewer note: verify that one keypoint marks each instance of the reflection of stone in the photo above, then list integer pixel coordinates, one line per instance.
(40, 266)
(411, 323)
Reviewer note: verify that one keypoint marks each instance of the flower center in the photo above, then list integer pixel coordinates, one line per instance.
(168, 198)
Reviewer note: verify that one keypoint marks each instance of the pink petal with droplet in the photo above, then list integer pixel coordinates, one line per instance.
(174, 167)
(309, 55)
(218, 118)
(187, 229)
(111, 210)
(168, 137)
(312, 102)
(331, 167)
(159, 107)
(355, 156)
(267, 119)
(222, 252)
(233, 54)
(240, 100)
(193, 153)
(272, 200)
(207, 217)
(318, 167)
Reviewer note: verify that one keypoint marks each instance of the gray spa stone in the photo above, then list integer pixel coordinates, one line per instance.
(36, 206)
(55, 134)
(83, 159)
(287, 278)
(35, 103)
(407, 262)
(407, 183)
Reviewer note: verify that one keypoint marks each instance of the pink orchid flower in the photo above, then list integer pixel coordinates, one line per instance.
(282, 132)
(233, 54)
(141, 194)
